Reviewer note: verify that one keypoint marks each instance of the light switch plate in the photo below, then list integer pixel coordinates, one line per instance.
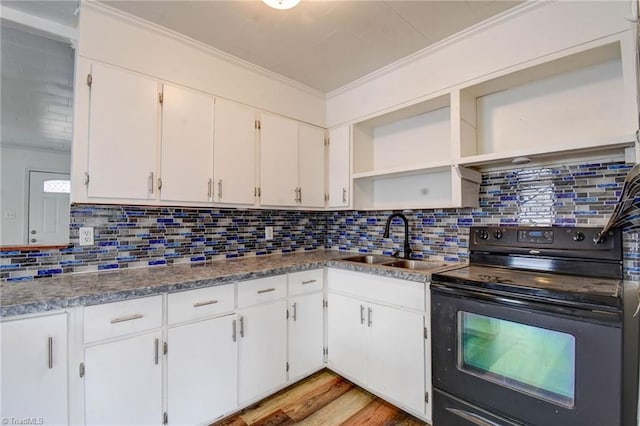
(268, 233)
(86, 235)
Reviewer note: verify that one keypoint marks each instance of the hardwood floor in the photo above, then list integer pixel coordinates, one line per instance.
(322, 399)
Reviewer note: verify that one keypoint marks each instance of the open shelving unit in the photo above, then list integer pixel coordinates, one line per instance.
(581, 100)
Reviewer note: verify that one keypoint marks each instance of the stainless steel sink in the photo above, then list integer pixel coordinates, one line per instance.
(414, 265)
(372, 259)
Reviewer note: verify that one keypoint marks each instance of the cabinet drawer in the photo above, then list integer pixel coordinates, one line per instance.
(203, 302)
(403, 293)
(120, 318)
(306, 281)
(262, 290)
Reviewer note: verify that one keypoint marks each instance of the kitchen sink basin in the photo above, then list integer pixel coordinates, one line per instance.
(414, 265)
(372, 259)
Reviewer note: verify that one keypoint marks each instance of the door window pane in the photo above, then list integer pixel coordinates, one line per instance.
(529, 359)
(57, 186)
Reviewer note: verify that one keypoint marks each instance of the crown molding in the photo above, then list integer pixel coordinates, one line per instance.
(429, 50)
(210, 50)
(40, 26)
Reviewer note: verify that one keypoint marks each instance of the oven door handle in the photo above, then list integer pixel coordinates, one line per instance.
(474, 418)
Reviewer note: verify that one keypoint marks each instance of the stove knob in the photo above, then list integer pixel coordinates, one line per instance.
(578, 236)
(497, 234)
(484, 235)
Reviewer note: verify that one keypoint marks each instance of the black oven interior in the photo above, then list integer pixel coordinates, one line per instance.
(528, 346)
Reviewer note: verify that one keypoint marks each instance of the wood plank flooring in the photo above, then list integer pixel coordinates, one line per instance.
(323, 399)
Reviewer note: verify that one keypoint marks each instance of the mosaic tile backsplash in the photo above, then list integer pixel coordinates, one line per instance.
(128, 236)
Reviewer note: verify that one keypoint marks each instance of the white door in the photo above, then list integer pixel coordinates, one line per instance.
(278, 161)
(48, 208)
(339, 167)
(395, 355)
(306, 334)
(202, 371)
(123, 382)
(123, 134)
(311, 165)
(346, 330)
(186, 164)
(262, 351)
(34, 369)
(234, 156)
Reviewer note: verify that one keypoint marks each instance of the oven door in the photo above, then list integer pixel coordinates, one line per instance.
(523, 361)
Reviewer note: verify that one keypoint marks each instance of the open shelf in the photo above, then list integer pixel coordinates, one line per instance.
(570, 104)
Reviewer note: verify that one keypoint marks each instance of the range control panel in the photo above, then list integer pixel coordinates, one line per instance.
(577, 242)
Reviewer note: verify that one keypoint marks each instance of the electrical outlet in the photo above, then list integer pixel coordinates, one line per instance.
(86, 236)
(268, 233)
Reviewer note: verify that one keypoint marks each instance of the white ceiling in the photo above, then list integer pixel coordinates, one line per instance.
(324, 44)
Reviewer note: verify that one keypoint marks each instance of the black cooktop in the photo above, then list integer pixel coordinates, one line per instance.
(560, 265)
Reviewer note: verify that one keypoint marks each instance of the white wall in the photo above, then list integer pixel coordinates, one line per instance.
(522, 35)
(15, 164)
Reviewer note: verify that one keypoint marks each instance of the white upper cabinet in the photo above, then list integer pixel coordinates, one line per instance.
(123, 134)
(234, 153)
(338, 167)
(311, 166)
(187, 145)
(278, 160)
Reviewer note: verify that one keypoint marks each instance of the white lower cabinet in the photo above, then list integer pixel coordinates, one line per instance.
(262, 349)
(34, 369)
(380, 347)
(202, 367)
(306, 334)
(123, 381)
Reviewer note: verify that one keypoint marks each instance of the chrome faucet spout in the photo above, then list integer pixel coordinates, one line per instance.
(407, 248)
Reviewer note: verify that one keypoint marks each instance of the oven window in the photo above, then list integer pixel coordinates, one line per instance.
(532, 360)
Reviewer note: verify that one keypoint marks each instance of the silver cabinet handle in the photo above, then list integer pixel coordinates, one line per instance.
(33, 231)
(50, 353)
(129, 318)
(361, 314)
(308, 282)
(295, 311)
(299, 194)
(209, 188)
(241, 326)
(151, 183)
(208, 302)
(369, 321)
(156, 345)
(159, 184)
(266, 290)
(344, 195)
(33, 240)
(220, 189)
(233, 330)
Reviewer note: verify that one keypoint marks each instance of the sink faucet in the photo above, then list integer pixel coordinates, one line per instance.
(407, 249)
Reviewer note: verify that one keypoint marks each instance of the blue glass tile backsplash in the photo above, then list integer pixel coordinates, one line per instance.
(131, 236)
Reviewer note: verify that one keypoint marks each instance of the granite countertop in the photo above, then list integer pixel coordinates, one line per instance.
(69, 290)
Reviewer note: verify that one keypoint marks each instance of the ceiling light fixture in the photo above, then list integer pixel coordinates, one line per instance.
(281, 4)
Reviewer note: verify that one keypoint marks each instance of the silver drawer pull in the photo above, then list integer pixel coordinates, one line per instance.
(208, 302)
(50, 352)
(266, 290)
(129, 318)
(308, 282)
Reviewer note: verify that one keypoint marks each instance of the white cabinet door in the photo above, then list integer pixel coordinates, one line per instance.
(123, 134)
(34, 369)
(202, 371)
(311, 166)
(339, 167)
(278, 160)
(306, 334)
(346, 329)
(262, 351)
(234, 156)
(395, 355)
(187, 145)
(123, 382)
